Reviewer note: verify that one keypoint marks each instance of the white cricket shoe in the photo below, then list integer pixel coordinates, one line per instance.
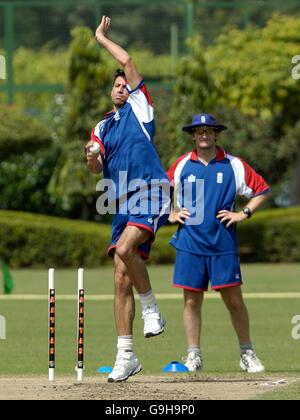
(126, 365)
(194, 362)
(153, 321)
(251, 363)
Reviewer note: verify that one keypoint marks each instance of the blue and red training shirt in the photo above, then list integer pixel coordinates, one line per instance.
(204, 191)
(126, 142)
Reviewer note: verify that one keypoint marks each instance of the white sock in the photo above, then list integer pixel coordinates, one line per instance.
(125, 342)
(195, 349)
(147, 299)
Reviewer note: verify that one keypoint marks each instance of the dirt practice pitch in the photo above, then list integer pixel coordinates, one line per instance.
(141, 387)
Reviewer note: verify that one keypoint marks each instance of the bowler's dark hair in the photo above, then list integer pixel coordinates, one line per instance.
(119, 73)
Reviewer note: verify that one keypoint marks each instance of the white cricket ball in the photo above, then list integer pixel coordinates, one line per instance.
(95, 148)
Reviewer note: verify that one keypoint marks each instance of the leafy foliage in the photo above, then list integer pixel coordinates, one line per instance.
(194, 90)
(23, 183)
(36, 240)
(245, 80)
(247, 136)
(89, 83)
(35, 67)
(252, 70)
(20, 133)
(72, 182)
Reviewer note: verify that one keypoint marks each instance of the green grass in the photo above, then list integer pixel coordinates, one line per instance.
(290, 392)
(25, 351)
(257, 278)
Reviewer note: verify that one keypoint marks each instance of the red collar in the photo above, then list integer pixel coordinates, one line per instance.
(109, 114)
(220, 155)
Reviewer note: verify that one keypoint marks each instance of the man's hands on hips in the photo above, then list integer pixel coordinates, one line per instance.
(223, 215)
(231, 217)
(179, 217)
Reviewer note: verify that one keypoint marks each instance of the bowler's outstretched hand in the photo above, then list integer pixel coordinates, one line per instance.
(103, 28)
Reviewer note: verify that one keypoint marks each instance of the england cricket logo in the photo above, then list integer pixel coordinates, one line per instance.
(219, 178)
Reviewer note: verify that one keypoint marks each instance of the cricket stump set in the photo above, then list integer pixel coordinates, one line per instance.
(80, 324)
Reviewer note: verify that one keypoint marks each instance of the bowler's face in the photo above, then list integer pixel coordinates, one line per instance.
(119, 93)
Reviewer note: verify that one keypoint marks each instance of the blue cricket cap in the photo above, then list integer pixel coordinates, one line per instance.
(204, 119)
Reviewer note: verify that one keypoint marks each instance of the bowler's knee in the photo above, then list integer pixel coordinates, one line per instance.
(125, 252)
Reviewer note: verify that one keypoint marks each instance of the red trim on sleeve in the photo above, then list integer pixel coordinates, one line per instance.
(171, 171)
(145, 91)
(254, 181)
(97, 140)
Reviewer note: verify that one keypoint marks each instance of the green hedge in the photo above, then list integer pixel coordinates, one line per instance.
(271, 236)
(36, 240)
(28, 239)
(20, 133)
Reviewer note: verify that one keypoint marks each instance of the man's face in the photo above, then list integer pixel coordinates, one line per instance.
(205, 137)
(119, 93)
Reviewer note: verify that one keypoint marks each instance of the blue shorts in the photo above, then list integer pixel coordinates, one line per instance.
(149, 222)
(193, 272)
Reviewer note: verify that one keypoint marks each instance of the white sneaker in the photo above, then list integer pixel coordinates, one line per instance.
(153, 321)
(250, 362)
(194, 362)
(126, 365)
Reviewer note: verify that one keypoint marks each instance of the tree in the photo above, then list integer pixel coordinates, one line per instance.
(252, 69)
(89, 83)
(72, 181)
(27, 158)
(255, 140)
(23, 183)
(193, 93)
(246, 79)
(255, 75)
(20, 133)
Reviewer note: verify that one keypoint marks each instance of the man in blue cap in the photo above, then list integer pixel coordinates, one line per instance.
(206, 182)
